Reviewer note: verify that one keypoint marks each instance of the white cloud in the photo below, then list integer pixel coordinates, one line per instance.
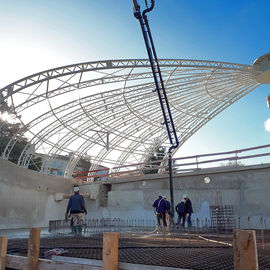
(267, 125)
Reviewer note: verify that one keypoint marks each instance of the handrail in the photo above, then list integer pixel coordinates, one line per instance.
(224, 153)
(148, 167)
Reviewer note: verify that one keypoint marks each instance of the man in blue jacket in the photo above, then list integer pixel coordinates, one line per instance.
(160, 212)
(167, 214)
(155, 205)
(180, 209)
(75, 210)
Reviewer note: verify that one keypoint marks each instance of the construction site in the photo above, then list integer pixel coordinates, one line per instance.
(180, 250)
(221, 208)
(89, 178)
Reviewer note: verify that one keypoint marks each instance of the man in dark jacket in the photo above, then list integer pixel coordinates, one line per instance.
(75, 210)
(167, 214)
(180, 209)
(160, 210)
(155, 204)
(188, 209)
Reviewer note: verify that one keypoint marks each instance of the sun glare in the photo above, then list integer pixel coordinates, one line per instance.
(8, 118)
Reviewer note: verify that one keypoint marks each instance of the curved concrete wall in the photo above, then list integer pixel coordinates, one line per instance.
(28, 198)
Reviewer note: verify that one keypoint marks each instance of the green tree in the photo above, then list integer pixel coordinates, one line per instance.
(155, 160)
(235, 163)
(83, 165)
(7, 131)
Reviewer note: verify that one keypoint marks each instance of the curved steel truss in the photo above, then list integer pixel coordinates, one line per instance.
(73, 110)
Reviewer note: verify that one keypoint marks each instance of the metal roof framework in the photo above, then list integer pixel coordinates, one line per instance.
(72, 110)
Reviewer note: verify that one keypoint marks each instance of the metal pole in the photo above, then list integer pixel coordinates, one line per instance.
(164, 103)
(171, 184)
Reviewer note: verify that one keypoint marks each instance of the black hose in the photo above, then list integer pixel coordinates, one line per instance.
(149, 9)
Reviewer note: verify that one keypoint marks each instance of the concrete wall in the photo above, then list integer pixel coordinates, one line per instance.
(28, 198)
(245, 188)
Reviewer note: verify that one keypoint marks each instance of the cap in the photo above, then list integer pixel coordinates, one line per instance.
(183, 200)
(76, 189)
(185, 196)
(164, 196)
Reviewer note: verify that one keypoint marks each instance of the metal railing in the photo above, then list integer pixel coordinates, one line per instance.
(238, 158)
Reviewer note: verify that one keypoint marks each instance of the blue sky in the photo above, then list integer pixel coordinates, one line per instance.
(38, 35)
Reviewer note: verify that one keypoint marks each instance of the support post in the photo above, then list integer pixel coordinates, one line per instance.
(171, 184)
(3, 252)
(245, 250)
(33, 249)
(110, 251)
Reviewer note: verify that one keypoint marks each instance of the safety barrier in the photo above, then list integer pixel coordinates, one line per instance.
(180, 165)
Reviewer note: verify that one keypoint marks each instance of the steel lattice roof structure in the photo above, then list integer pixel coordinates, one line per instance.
(77, 109)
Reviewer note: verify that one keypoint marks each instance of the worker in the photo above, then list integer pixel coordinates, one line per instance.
(167, 214)
(160, 209)
(180, 209)
(75, 210)
(188, 209)
(155, 205)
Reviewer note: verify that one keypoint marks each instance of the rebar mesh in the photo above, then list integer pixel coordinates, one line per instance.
(188, 248)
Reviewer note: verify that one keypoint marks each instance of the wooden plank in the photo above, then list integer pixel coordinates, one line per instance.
(236, 249)
(110, 251)
(122, 266)
(3, 252)
(16, 262)
(77, 260)
(33, 249)
(245, 250)
(69, 263)
(55, 265)
(20, 262)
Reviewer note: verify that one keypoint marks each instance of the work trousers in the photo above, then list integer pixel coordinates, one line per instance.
(77, 219)
(181, 219)
(161, 216)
